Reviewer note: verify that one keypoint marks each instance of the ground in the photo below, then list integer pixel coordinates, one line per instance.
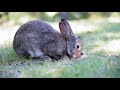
(101, 59)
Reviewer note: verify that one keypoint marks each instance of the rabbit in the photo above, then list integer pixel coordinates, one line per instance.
(39, 40)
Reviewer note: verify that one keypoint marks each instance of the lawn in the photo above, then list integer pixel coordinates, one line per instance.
(101, 59)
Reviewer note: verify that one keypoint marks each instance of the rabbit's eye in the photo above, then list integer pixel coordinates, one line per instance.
(78, 46)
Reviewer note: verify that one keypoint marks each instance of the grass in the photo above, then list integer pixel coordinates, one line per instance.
(101, 57)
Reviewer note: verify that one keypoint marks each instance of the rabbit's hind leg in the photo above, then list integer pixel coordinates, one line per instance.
(38, 54)
(35, 53)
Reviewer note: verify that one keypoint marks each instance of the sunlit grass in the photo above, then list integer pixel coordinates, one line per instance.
(101, 59)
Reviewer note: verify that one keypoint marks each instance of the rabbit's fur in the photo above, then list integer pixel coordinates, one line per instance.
(38, 39)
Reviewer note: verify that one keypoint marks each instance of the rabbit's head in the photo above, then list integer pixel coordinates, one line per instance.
(74, 44)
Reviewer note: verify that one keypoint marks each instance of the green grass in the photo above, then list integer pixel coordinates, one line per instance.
(101, 58)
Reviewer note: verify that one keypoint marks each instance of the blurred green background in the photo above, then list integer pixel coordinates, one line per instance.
(54, 16)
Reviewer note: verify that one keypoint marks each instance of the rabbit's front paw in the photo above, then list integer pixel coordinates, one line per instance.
(46, 58)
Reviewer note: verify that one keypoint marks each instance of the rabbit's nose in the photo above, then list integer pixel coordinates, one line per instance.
(82, 53)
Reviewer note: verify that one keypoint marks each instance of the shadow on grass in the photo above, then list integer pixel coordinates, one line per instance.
(11, 63)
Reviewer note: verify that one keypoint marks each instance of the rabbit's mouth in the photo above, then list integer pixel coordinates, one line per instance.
(77, 54)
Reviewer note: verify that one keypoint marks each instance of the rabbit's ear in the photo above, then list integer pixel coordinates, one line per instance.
(65, 28)
(67, 25)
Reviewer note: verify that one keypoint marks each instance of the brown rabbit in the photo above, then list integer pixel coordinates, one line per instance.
(38, 39)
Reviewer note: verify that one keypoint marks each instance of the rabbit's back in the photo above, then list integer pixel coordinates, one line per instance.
(36, 26)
